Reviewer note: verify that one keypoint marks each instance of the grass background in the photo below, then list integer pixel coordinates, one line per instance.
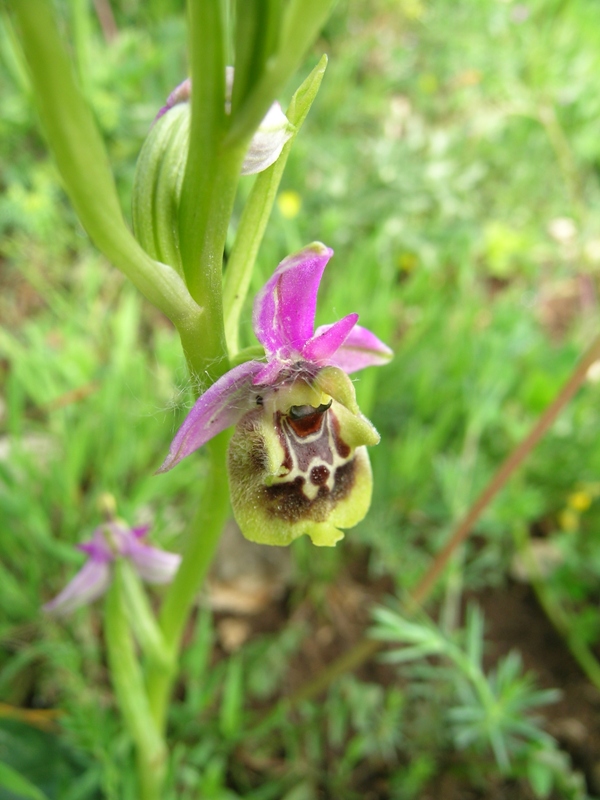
(452, 162)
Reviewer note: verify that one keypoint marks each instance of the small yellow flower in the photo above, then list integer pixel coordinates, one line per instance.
(407, 262)
(427, 83)
(580, 501)
(289, 204)
(569, 520)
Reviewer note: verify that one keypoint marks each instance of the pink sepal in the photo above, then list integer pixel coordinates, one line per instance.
(360, 349)
(89, 583)
(328, 340)
(222, 405)
(284, 309)
(151, 564)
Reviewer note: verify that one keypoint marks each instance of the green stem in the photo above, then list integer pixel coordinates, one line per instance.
(209, 186)
(202, 260)
(204, 536)
(300, 25)
(142, 620)
(128, 683)
(257, 212)
(83, 163)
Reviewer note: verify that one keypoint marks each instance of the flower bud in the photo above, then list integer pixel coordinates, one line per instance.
(157, 185)
(161, 167)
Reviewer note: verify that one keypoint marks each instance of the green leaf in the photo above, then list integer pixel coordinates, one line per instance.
(230, 719)
(301, 23)
(83, 163)
(14, 782)
(541, 778)
(257, 29)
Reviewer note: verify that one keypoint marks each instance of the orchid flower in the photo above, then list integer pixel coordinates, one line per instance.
(268, 141)
(297, 460)
(109, 542)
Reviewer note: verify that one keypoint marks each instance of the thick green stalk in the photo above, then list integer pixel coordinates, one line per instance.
(258, 210)
(209, 185)
(202, 260)
(83, 163)
(203, 539)
(128, 683)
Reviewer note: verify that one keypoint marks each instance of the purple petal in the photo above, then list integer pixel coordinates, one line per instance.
(180, 94)
(98, 547)
(222, 405)
(89, 583)
(361, 349)
(269, 373)
(151, 563)
(328, 339)
(140, 531)
(284, 310)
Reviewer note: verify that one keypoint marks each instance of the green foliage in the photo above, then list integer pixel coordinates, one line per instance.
(486, 710)
(447, 141)
(52, 769)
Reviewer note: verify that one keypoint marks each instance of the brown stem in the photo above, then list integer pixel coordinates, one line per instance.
(508, 466)
(106, 18)
(366, 648)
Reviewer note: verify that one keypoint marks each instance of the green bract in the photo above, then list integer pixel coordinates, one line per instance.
(157, 186)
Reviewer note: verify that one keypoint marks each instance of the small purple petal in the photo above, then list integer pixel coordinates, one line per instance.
(284, 310)
(222, 405)
(180, 94)
(328, 341)
(140, 531)
(89, 583)
(98, 548)
(152, 565)
(361, 349)
(269, 373)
